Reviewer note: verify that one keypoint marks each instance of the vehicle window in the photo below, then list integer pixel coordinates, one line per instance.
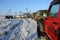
(54, 10)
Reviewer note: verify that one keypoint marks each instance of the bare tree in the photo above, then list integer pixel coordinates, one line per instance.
(9, 11)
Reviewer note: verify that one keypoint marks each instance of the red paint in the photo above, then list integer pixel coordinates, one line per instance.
(50, 27)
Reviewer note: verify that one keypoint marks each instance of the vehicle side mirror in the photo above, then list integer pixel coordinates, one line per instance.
(44, 15)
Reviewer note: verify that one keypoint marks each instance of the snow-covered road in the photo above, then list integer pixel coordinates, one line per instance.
(18, 29)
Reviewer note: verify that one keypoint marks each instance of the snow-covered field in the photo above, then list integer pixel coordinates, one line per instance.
(18, 29)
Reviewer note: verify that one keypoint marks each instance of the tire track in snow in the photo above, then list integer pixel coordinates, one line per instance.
(13, 22)
(4, 24)
(13, 28)
(16, 34)
(8, 34)
(16, 27)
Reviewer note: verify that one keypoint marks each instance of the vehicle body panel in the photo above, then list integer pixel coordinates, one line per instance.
(52, 26)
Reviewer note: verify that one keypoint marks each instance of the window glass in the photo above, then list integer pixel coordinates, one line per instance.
(54, 10)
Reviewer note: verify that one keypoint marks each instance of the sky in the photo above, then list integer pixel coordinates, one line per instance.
(17, 6)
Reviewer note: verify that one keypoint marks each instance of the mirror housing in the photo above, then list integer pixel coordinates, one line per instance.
(44, 15)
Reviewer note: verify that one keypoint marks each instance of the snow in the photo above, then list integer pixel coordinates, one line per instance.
(18, 29)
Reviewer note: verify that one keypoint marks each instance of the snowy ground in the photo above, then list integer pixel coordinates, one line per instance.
(18, 29)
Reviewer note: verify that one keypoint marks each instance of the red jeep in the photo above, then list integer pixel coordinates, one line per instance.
(51, 24)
